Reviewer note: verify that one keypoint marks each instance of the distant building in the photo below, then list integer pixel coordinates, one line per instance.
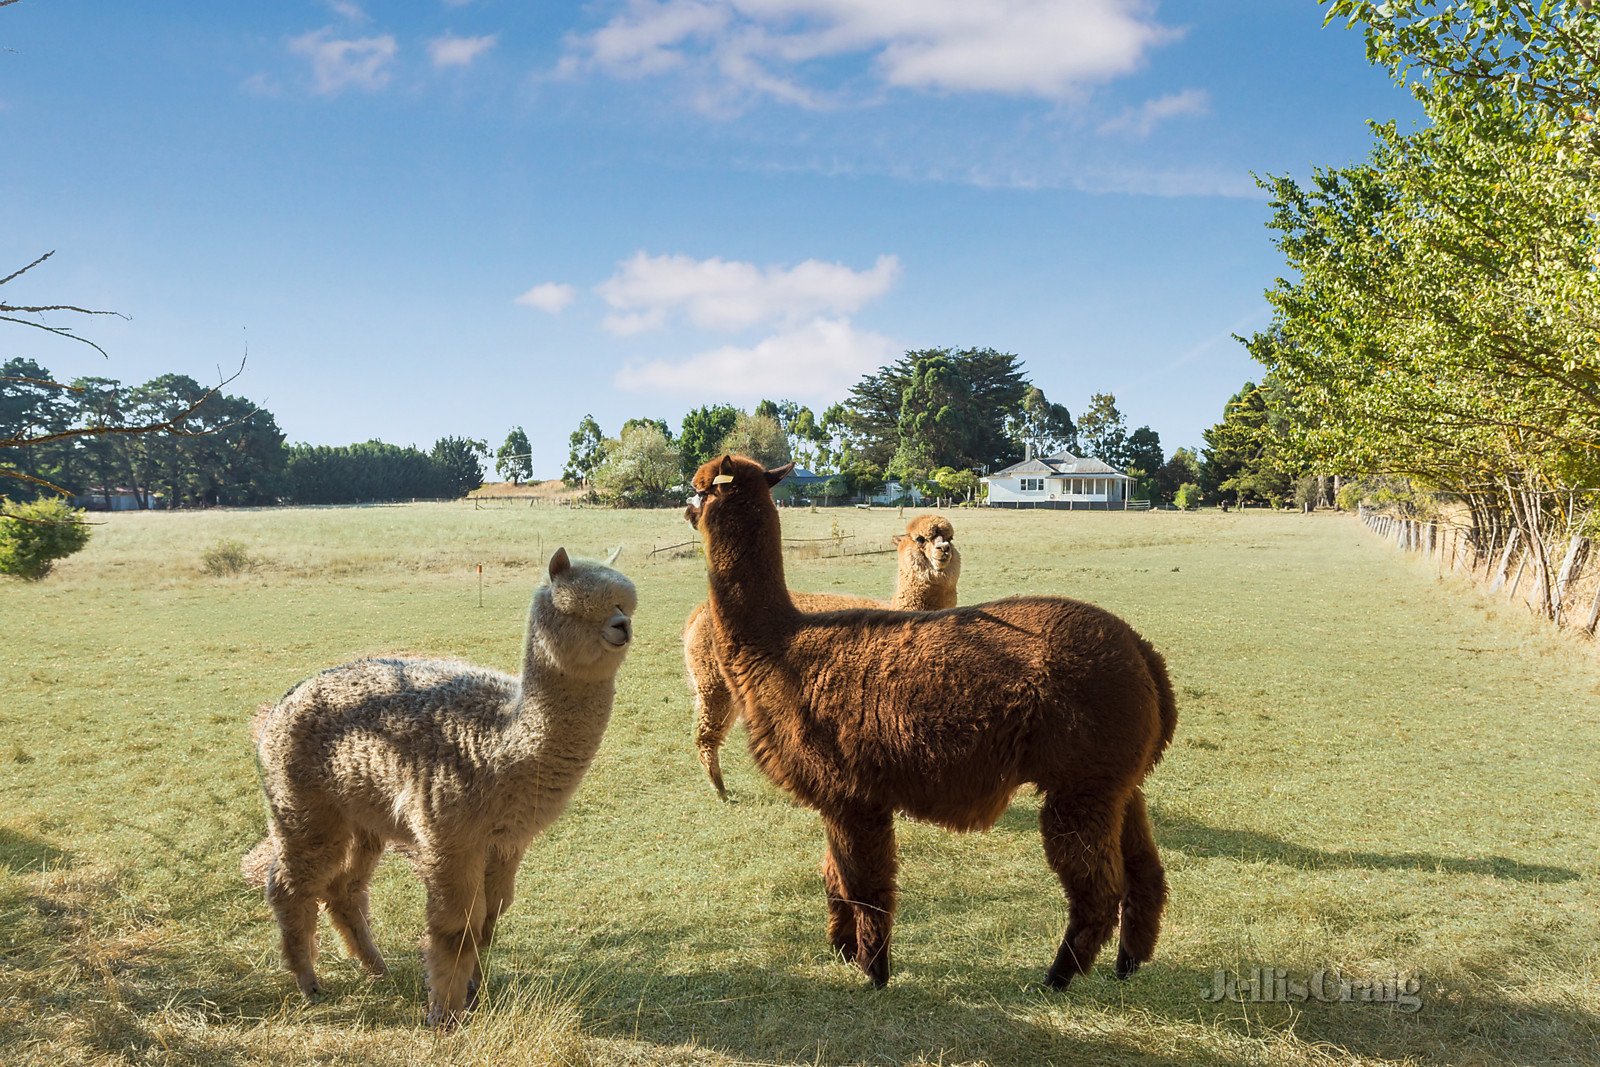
(1060, 481)
(108, 500)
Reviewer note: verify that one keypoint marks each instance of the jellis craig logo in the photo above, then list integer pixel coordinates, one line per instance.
(1275, 985)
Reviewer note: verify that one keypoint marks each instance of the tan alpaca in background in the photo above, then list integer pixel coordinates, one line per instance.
(929, 568)
(461, 765)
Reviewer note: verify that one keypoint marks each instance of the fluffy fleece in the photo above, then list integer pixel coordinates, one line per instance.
(928, 569)
(459, 765)
(862, 713)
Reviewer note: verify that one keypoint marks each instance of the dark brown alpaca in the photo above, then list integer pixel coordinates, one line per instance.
(942, 715)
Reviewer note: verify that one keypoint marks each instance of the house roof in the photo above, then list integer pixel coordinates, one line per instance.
(1062, 464)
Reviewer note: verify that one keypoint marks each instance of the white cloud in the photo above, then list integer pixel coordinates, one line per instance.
(552, 297)
(338, 64)
(453, 51)
(718, 294)
(347, 10)
(816, 361)
(1043, 48)
(1140, 121)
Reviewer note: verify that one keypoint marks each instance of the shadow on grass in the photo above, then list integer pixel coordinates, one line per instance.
(1195, 838)
(22, 854)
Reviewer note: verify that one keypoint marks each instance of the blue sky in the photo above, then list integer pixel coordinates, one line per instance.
(456, 216)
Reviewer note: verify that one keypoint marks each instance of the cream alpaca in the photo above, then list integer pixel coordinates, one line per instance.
(461, 765)
(929, 568)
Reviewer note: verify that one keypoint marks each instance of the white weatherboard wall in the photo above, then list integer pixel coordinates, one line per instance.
(1078, 489)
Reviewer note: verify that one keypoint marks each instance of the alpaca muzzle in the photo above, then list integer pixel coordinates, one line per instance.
(619, 632)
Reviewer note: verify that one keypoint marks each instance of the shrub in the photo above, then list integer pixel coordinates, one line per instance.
(225, 558)
(36, 534)
(1187, 497)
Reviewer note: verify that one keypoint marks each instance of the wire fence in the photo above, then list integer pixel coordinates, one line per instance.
(1506, 565)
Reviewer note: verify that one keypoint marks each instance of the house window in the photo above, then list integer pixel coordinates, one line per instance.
(1033, 485)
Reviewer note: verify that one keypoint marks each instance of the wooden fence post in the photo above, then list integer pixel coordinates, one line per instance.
(1575, 551)
(1522, 565)
(1505, 560)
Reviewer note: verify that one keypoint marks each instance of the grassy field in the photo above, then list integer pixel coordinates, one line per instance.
(1375, 772)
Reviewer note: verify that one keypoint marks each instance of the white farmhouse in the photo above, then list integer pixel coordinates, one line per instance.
(1059, 481)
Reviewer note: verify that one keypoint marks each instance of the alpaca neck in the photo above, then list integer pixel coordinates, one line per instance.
(555, 712)
(919, 592)
(745, 569)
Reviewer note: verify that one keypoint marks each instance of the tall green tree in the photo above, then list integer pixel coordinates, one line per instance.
(460, 463)
(1182, 468)
(513, 460)
(759, 437)
(702, 434)
(1045, 426)
(1248, 457)
(1103, 431)
(641, 469)
(585, 451)
(936, 407)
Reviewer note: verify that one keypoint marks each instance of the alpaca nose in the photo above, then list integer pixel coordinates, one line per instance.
(620, 632)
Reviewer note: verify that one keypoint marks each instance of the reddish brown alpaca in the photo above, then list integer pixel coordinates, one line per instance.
(928, 566)
(942, 715)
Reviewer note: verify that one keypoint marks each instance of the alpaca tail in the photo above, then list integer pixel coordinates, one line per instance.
(1144, 894)
(1165, 701)
(258, 723)
(257, 863)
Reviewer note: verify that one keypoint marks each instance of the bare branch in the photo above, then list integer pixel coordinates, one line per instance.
(7, 472)
(59, 331)
(47, 255)
(41, 381)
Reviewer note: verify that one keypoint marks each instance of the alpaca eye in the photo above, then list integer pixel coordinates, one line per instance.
(922, 540)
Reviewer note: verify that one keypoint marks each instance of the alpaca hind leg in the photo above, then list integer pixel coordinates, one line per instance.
(714, 713)
(841, 913)
(1145, 892)
(1083, 844)
(863, 851)
(455, 918)
(499, 887)
(349, 908)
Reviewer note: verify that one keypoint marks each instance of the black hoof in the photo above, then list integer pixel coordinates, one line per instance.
(1126, 964)
(1057, 982)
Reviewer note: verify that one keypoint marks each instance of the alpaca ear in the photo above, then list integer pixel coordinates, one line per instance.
(726, 466)
(898, 540)
(615, 552)
(560, 563)
(778, 474)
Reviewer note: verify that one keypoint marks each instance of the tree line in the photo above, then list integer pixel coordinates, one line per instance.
(1436, 341)
(936, 420)
(213, 448)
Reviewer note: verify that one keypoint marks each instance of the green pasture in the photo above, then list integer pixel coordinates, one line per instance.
(1376, 772)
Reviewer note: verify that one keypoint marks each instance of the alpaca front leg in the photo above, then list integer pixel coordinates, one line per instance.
(499, 886)
(455, 919)
(862, 846)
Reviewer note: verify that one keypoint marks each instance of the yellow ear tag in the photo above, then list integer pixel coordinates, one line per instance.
(722, 479)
